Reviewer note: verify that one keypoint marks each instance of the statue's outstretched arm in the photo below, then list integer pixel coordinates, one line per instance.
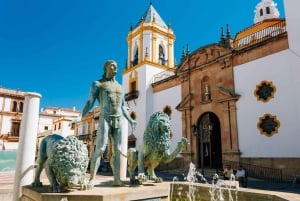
(93, 96)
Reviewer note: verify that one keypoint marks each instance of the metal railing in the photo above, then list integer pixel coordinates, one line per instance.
(131, 95)
(266, 173)
(85, 137)
(163, 75)
(261, 35)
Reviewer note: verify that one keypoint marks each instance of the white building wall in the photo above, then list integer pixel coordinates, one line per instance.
(172, 98)
(279, 68)
(147, 41)
(292, 20)
(293, 29)
(1, 102)
(143, 105)
(83, 128)
(45, 121)
(66, 129)
(7, 102)
(6, 125)
(137, 105)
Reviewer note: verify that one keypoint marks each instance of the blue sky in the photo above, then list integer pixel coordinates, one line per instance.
(57, 48)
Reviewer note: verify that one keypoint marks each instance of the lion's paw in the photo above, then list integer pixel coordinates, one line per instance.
(158, 180)
(135, 182)
(85, 186)
(142, 178)
(183, 142)
(56, 189)
(90, 184)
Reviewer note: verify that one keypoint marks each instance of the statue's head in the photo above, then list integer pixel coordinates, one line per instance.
(110, 69)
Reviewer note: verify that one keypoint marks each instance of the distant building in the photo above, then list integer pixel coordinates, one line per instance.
(86, 129)
(57, 120)
(51, 120)
(11, 111)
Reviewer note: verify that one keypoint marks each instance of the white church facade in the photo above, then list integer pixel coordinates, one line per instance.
(237, 100)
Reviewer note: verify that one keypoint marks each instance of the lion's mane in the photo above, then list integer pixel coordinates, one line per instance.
(68, 154)
(157, 134)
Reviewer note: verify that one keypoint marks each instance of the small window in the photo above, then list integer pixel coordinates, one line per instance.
(268, 10)
(168, 110)
(136, 57)
(15, 129)
(161, 55)
(15, 106)
(46, 128)
(21, 106)
(261, 12)
(133, 115)
(268, 125)
(133, 86)
(72, 126)
(265, 91)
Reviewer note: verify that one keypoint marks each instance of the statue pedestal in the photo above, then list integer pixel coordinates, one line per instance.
(103, 191)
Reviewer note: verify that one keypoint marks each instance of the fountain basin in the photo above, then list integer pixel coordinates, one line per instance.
(185, 191)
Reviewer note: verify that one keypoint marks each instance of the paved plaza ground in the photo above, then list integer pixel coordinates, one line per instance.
(290, 188)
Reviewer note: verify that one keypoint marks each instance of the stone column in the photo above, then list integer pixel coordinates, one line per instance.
(27, 144)
(124, 146)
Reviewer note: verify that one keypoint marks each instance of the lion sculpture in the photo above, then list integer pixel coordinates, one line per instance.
(154, 149)
(65, 161)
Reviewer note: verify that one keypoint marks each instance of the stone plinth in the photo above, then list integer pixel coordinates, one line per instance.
(102, 192)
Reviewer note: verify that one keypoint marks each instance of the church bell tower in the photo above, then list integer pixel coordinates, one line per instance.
(150, 52)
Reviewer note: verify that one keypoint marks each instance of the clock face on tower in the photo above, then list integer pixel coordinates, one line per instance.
(265, 91)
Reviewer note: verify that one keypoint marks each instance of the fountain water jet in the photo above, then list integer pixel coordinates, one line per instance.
(217, 190)
(190, 190)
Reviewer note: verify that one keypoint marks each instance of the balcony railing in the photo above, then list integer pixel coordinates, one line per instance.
(261, 35)
(85, 137)
(131, 95)
(162, 75)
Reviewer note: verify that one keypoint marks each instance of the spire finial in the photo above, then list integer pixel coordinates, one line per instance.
(131, 27)
(222, 34)
(228, 34)
(183, 54)
(150, 2)
(187, 49)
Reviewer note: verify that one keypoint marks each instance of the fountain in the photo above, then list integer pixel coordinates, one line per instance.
(191, 190)
(196, 188)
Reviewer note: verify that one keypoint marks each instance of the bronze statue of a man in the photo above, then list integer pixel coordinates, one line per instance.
(108, 92)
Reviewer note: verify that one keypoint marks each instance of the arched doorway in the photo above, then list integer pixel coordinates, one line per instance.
(209, 144)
